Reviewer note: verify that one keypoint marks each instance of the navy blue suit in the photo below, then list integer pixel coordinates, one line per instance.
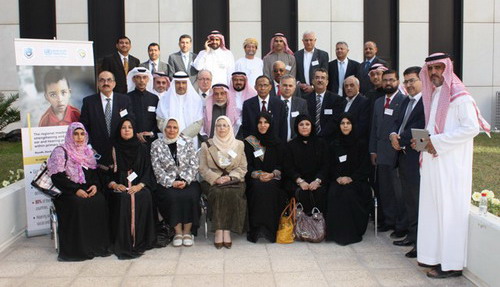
(251, 110)
(328, 122)
(360, 110)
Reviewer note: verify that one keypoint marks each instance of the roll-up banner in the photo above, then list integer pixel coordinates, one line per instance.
(54, 77)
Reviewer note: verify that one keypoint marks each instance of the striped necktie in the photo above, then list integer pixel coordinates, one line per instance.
(107, 115)
(318, 114)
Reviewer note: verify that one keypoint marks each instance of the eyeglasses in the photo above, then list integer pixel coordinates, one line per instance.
(411, 81)
(109, 80)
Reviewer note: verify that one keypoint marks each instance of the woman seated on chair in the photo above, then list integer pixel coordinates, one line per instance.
(306, 166)
(349, 196)
(175, 165)
(132, 224)
(266, 198)
(223, 166)
(81, 208)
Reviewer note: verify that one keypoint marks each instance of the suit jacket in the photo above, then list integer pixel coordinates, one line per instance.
(251, 110)
(162, 68)
(364, 79)
(177, 64)
(113, 63)
(298, 105)
(416, 120)
(331, 102)
(382, 126)
(333, 74)
(360, 110)
(318, 55)
(92, 118)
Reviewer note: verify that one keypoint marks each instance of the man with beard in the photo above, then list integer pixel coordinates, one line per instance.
(216, 58)
(161, 83)
(240, 89)
(143, 104)
(377, 91)
(250, 64)
(219, 103)
(279, 51)
(383, 156)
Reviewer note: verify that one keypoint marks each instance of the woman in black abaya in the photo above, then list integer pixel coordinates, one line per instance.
(349, 196)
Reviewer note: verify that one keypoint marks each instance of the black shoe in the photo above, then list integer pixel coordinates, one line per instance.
(427, 266)
(384, 228)
(398, 233)
(403, 242)
(437, 273)
(412, 253)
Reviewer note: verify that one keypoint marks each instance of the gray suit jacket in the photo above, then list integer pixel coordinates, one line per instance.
(162, 68)
(298, 105)
(382, 125)
(176, 64)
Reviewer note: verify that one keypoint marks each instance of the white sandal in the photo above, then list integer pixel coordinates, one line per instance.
(188, 240)
(177, 242)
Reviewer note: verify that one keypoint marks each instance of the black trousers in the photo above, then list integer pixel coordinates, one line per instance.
(391, 197)
(409, 175)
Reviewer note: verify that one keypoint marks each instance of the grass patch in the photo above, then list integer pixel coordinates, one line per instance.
(486, 163)
(11, 158)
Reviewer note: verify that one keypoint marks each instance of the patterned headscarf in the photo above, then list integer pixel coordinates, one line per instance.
(451, 89)
(78, 156)
(229, 142)
(247, 93)
(219, 35)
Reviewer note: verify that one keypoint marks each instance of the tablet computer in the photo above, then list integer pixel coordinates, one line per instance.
(422, 137)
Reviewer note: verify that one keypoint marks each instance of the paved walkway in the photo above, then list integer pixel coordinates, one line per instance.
(372, 262)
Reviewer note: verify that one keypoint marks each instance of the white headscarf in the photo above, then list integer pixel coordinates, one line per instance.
(164, 126)
(139, 71)
(169, 105)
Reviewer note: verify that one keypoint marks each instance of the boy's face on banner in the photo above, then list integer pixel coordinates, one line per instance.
(58, 95)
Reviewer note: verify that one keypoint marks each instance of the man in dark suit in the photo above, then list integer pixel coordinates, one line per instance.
(308, 60)
(324, 106)
(101, 113)
(411, 117)
(154, 65)
(120, 63)
(357, 105)
(370, 51)
(263, 103)
(340, 69)
(383, 156)
(182, 60)
(294, 104)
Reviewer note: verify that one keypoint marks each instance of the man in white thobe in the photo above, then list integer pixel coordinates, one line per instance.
(216, 58)
(452, 120)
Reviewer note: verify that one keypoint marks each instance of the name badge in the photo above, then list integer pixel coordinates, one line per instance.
(123, 113)
(152, 109)
(181, 142)
(258, 153)
(231, 153)
(388, 112)
(315, 63)
(328, 112)
(342, 158)
(288, 67)
(295, 114)
(132, 176)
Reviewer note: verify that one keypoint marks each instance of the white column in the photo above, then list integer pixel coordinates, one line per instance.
(176, 19)
(9, 29)
(413, 33)
(72, 20)
(244, 22)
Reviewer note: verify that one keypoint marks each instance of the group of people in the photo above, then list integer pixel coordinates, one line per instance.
(292, 125)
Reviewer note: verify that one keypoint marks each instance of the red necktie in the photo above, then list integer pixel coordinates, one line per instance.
(264, 110)
(279, 91)
(387, 102)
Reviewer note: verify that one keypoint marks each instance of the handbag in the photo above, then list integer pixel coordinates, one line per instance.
(310, 228)
(43, 182)
(285, 234)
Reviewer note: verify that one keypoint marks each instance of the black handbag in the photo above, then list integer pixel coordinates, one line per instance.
(43, 182)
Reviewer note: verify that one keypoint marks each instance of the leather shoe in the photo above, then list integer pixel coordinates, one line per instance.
(384, 228)
(218, 245)
(426, 265)
(403, 242)
(437, 273)
(412, 253)
(398, 233)
(227, 244)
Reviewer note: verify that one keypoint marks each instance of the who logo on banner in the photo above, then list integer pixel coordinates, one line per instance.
(28, 52)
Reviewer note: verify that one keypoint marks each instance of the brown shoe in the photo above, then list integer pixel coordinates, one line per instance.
(218, 245)
(437, 273)
(228, 245)
(427, 266)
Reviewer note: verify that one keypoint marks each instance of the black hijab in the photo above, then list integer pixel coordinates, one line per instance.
(350, 139)
(126, 150)
(269, 138)
(300, 118)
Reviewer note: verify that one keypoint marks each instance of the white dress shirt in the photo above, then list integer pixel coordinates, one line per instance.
(307, 65)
